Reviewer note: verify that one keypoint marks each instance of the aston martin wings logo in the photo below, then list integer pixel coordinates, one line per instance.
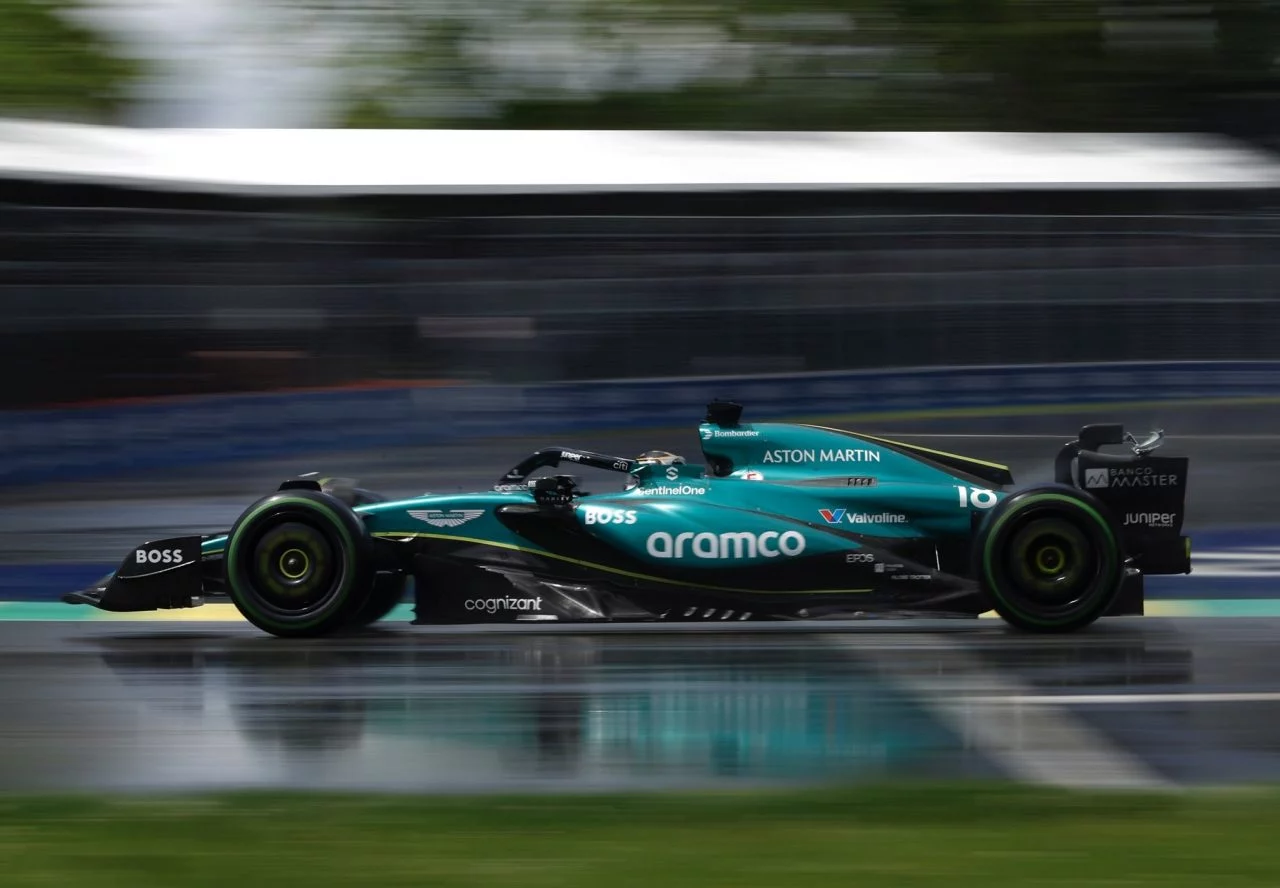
(446, 517)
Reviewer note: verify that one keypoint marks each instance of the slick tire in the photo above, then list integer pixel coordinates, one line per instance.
(299, 564)
(1049, 559)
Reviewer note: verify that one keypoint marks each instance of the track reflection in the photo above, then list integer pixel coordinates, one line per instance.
(137, 708)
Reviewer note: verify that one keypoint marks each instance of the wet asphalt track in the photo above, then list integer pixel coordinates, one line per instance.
(1142, 702)
(1136, 702)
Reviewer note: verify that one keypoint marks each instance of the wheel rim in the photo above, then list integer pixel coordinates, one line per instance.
(294, 564)
(1052, 564)
(293, 568)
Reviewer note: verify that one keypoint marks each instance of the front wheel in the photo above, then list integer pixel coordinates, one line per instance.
(299, 564)
(1049, 559)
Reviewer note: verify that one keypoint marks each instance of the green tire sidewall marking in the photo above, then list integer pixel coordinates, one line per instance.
(233, 556)
(987, 549)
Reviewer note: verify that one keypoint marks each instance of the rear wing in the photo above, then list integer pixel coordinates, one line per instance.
(1146, 494)
(1092, 437)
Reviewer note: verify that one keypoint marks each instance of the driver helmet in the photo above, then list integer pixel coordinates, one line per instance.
(660, 458)
(655, 458)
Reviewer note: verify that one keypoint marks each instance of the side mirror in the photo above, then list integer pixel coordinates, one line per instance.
(555, 492)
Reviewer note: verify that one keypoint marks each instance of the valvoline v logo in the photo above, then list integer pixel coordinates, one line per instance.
(843, 516)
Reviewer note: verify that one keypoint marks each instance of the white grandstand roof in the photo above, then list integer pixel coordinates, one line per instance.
(334, 161)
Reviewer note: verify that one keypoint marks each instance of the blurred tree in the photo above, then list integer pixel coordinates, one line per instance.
(52, 66)
(1127, 64)
(799, 64)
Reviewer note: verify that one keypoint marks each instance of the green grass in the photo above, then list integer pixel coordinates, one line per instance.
(902, 836)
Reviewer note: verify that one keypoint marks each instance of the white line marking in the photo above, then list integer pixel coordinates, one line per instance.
(1041, 744)
(1125, 699)
(1257, 562)
(1239, 555)
(1210, 572)
(1070, 436)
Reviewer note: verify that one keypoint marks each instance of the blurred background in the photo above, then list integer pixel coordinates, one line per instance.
(985, 222)
(648, 64)
(173, 293)
(1005, 183)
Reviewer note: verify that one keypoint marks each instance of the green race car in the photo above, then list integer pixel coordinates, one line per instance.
(783, 521)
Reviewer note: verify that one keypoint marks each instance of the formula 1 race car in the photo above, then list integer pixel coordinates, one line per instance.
(785, 521)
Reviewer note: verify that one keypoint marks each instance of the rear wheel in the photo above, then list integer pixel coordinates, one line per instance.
(1049, 559)
(298, 563)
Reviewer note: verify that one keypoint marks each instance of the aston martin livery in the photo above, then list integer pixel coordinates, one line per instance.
(781, 521)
